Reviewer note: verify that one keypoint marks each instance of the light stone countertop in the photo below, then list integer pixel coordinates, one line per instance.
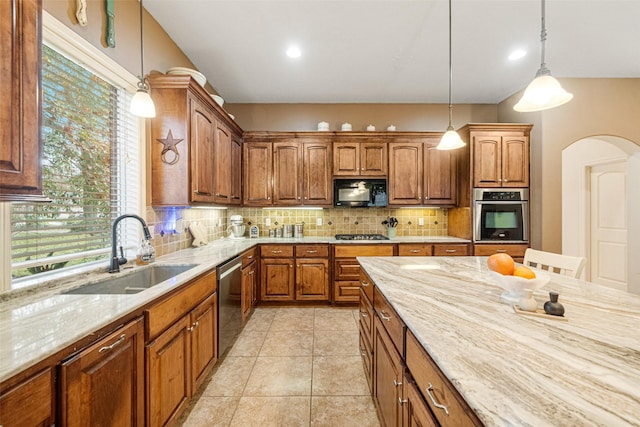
(517, 370)
(41, 321)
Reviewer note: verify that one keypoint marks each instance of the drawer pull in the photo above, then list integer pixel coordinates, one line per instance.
(396, 383)
(385, 316)
(450, 251)
(114, 345)
(252, 272)
(415, 251)
(364, 314)
(433, 400)
(250, 257)
(501, 250)
(312, 251)
(402, 402)
(276, 252)
(364, 284)
(195, 325)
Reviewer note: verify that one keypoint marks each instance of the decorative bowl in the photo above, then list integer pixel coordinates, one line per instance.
(198, 76)
(219, 100)
(514, 286)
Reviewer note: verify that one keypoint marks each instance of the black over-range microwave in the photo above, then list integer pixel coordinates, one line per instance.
(360, 192)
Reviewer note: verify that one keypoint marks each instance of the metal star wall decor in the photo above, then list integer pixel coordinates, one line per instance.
(169, 145)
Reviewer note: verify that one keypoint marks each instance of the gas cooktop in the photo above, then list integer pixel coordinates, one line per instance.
(361, 237)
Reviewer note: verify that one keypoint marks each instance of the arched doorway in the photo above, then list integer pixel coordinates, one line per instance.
(600, 210)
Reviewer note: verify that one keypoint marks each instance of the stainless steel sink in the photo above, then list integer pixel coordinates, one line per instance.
(135, 282)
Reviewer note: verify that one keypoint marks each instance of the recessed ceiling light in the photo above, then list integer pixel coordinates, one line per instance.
(517, 54)
(294, 52)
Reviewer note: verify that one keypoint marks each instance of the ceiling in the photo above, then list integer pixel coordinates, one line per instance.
(396, 51)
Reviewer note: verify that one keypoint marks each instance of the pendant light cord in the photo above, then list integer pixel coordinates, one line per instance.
(450, 127)
(142, 83)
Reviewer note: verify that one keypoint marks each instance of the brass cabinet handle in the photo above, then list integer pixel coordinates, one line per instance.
(450, 251)
(364, 314)
(120, 340)
(364, 284)
(433, 400)
(385, 316)
(501, 250)
(276, 252)
(195, 325)
(396, 383)
(312, 251)
(402, 402)
(415, 251)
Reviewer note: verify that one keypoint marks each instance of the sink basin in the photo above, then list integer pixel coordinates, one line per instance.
(133, 283)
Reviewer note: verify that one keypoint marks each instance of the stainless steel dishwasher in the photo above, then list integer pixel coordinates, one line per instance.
(229, 300)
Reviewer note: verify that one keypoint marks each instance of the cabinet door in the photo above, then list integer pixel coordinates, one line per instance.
(346, 158)
(440, 176)
(203, 128)
(415, 412)
(316, 179)
(248, 289)
(387, 386)
(204, 348)
(487, 164)
(30, 403)
(515, 161)
(405, 173)
(312, 279)
(277, 279)
(373, 158)
(222, 159)
(20, 109)
(236, 170)
(287, 168)
(257, 173)
(104, 384)
(168, 374)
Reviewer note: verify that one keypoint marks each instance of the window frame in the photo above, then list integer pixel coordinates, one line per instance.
(63, 39)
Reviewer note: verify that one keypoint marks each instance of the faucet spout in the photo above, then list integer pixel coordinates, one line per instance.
(114, 266)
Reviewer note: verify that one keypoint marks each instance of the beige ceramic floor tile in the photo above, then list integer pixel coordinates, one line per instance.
(335, 320)
(230, 377)
(339, 376)
(293, 319)
(288, 343)
(335, 343)
(343, 411)
(280, 376)
(272, 412)
(212, 412)
(248, 343)
(261, 319)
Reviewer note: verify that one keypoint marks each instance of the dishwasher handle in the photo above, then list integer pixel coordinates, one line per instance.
(228, 270)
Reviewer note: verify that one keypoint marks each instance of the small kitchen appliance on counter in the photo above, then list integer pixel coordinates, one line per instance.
(236, 229)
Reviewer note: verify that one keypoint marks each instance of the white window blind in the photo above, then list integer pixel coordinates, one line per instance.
(90, 171)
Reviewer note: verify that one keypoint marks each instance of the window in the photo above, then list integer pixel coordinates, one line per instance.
(91, 167)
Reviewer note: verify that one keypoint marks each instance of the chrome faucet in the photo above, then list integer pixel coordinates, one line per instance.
(116, 261)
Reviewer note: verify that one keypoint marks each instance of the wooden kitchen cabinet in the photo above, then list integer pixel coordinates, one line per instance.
(415, 412)
(354, 158)
(515, 250)
(104, 384)
(191, 145)
(257, 172)
(20, 95)
(236, 170)
(277, 273)
(317, 185)
(31, 402)
(420, 174)
(249, 282)
(415, 249)
(449, 249)
(346, 270)
(388, 369)
(312, 279)
(287, 165)
(499, 154)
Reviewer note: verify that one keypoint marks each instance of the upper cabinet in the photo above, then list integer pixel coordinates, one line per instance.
(20, 109)
(500, 154)
(353, 158)
(195, 146)
(419, 174)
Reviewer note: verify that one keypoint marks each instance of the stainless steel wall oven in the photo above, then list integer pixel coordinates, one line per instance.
(501, 215)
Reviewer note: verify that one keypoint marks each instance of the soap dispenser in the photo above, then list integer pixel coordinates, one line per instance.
(146, 253)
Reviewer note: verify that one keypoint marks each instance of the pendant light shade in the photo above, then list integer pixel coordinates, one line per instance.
(544, 92)
(142, 104)
(450, 140)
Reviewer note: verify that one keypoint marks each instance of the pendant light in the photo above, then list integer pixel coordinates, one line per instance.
(450, 140)
(142, 104)
(544, 91)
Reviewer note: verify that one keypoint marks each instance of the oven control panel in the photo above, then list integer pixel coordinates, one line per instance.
(483, 194)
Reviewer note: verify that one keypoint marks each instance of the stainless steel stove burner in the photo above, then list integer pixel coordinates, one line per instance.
(361, 237)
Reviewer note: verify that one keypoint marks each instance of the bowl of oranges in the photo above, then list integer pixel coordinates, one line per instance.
(514, 279)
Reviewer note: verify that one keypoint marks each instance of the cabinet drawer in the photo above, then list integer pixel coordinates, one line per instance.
(249, 256)
(350, 251)
(367, 286)
(163, 314)
(346, 269)
(428, 377)
(513, 250)
(346, 291)
(451, 250)
(389, 319)
(414, 250)
(366, 316)
(276, 251)
(312, 251)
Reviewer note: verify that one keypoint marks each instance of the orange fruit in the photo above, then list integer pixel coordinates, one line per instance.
(501, 263)
(525, 272)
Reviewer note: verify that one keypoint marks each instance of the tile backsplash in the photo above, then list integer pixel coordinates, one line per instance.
(170, 233)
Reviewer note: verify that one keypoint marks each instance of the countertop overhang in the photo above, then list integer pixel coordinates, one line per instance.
(514, 369)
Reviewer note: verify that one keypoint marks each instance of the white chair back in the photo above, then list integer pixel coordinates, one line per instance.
(563, 264)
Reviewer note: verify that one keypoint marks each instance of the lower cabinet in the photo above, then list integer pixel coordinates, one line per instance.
(31, 402)
(312, 279)
(249, 281)
(104, 383)
(515, 250)
(388, 369)
(415, 412)
(277, 279)
(346, 270)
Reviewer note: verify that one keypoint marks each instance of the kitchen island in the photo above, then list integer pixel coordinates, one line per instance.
(514, 369)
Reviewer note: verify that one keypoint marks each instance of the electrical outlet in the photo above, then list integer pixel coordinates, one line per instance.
(267, 222)
(318, 222)
(420, 221)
